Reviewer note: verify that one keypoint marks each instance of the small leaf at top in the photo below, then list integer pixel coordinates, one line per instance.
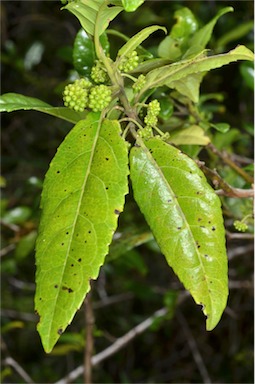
(137, 39)
(184, 214)
(83, 195)
(131, 5)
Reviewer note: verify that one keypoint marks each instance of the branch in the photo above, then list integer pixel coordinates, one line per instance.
(122, 341)
(13, 363)
(194, 350)
(226, 158)
(240, 236)
(226, 189)
(89, 344)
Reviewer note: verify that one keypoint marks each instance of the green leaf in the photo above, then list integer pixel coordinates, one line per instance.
(84, 54)
(131, 5)
(184, 214)
(174, 45)
(10, 102)
(193, 135)
(82, 198)
(137, 39)
(203, 35)
(189, 86)
(237, 33)
(166, 75)
(90, 12)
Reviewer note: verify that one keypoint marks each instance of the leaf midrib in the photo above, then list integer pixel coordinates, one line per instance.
(76, 216)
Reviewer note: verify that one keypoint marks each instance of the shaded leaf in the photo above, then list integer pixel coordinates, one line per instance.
(84, 54)
(201, 38)
(193, 135)
(10, 102)
(185, 216)
(82, 198)
(189, 86)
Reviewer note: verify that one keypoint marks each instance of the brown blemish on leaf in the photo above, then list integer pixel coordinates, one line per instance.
(55, 286)
(116, 211)
(79, 260)
(60, 331)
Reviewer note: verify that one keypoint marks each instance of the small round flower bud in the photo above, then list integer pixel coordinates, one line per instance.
(140, 82)
(154, 107)
(98, 75)
(240, 226)
(150, 120)
(99, 97)
(75, 96)
(129, 62)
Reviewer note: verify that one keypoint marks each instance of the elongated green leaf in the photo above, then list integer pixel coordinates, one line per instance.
(168, 74)
(82, 197)
(138, 39)
(87, 13)
(201, 38)
(10, 102)
(189, 86)
(184, 214)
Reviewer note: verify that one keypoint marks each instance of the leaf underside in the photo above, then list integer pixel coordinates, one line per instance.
(83, 195)
(184, 214)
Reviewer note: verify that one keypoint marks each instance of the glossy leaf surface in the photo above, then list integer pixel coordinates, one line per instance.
(84, 54)
(10, 102)
(166, 75)
(82, 197)
(184, 214)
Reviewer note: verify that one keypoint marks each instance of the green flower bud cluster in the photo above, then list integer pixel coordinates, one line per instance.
(240, 226)
(81, 94)
(146, 132)
(153, 110)
(99, 97)
(140, 82)
(75, 95)
(129, 62)
(98, 74)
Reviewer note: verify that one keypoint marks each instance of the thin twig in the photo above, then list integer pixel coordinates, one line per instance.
(226, 189)
(89, 345)
(194, 349)
(22, 373)
(226, 158)
(120, 343)
(4, 251)
(240, 236)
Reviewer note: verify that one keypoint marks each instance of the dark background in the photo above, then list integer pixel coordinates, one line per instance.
(164, 353)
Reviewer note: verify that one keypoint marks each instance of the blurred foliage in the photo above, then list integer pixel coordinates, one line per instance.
(36, 60)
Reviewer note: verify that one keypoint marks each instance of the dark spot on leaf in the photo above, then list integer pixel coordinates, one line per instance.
(60, 331)
(209, 222)
(206, 256)
(62, 243)
(179, 228)
(89, 231)
(40, 298)
(198, 193)
(55, 286)
(202, 226)
(67, 233)
(72, 265)
(199, 219)
(213, 229)
(210, 281)
(116, 211)
(79, 260)
(85, 241)
(106, 188)
(77, 234)
(67, 289)
(169, 200)
(107, 158)
(58, 171)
